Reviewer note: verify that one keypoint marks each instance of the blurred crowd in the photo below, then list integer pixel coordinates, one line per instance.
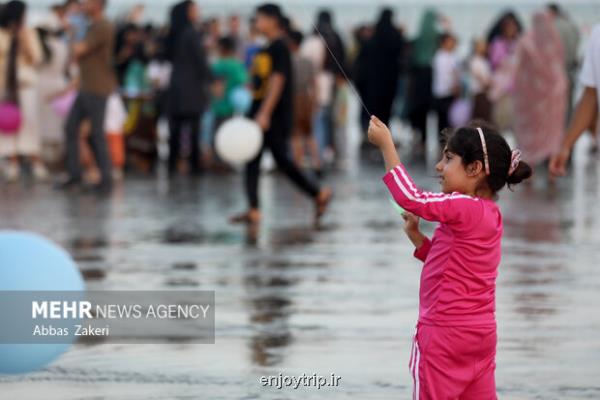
(98, 97)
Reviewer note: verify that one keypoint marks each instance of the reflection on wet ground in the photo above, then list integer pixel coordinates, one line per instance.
(292, 298)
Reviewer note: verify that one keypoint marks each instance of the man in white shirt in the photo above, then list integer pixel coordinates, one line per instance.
(586, 113)
(445, 78)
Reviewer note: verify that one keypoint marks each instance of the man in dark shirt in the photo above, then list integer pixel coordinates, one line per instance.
(94, 55)
(272, 109)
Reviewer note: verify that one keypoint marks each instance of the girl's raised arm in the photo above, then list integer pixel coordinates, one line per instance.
(454, 208)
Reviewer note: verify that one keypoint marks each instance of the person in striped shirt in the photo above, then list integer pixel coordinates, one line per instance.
(454, 348)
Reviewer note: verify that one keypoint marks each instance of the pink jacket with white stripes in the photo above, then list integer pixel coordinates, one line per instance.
(458, 280)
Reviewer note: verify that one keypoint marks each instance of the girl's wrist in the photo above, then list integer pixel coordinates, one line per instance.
(417, 238)
(387, 144)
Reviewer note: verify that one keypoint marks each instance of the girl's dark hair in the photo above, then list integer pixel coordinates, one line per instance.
(466, 143)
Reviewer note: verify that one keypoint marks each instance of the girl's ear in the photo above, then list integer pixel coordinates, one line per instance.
(474, 168)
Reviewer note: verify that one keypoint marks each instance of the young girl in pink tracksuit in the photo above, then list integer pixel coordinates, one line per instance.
(454, 349)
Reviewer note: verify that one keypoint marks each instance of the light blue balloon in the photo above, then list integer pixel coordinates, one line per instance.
(29, 262)
(241, 99)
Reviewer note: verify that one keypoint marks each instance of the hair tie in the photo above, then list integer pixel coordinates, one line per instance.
(486, 161)
(515, 159)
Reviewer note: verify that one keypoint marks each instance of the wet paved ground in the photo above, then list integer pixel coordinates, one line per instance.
(338, 299)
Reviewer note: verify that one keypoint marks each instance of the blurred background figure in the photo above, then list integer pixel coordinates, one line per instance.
(228, 70)
(480, 77)
(212, 30)
(130, 57)
(135, 16)
(570, 38)
(361, 36)
(305, 103)
(337, 64)
(419, 96)
(327, 51)
(179, 113)
(502, 42)
(252, 45)
(585, 115)
(377, 69)
(188, 95)
(272, 110)
(234, 32)
(446, 79)
(540, 90)
(53, 81)
(158, 73)
(20, 54)
(502, 38)
(130, 50)
(94, 56)
(76, 20)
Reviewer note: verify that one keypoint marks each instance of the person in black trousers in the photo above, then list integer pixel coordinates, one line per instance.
(188, 92)
(272, 109)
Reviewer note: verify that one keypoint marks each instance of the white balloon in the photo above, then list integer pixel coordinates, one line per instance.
(238, 140)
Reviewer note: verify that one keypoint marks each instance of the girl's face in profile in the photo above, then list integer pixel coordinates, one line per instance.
(452, 173)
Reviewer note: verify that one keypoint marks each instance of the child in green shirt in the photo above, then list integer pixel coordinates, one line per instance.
(230, 70)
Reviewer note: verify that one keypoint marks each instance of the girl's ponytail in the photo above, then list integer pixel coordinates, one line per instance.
(522, 171)
(518, 170)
